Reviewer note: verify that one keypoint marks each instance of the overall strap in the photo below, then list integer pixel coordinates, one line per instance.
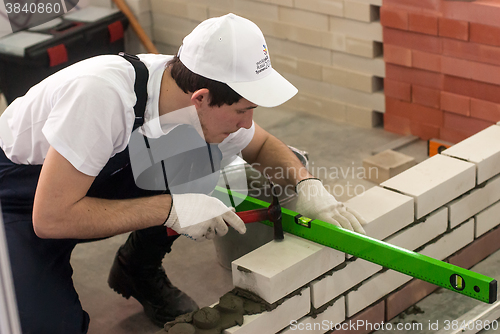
(140, 87)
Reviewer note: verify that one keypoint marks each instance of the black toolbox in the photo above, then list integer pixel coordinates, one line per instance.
(27, 57)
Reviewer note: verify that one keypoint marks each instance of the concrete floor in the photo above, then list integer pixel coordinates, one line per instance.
(193, 267)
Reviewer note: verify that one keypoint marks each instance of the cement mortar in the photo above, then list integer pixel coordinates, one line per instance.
(227, 313)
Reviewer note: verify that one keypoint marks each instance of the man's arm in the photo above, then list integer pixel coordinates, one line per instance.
(62, 209)
(271, 156)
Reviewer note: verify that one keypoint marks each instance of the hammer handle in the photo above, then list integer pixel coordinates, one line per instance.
(250, 216)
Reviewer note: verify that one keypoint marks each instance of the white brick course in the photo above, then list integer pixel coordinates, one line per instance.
(385, 211)
(360, 11)
(451, 242)
(303, 18)
(279, 268)
(330, 7)
(279, 318)
(369, 31)
(373, 289)
(330, 287)
(487, 219)
(434, 182)
(322, 323)
(415, 236)
(481, 149)
(374, 66)
(470, 204)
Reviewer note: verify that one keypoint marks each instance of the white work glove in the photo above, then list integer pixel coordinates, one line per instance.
(315, 202)
(199, 216)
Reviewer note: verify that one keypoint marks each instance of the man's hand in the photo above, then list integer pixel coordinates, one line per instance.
(198, 216)
(315, 202)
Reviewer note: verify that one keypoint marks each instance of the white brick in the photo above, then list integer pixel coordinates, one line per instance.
(470, 204)
(279, 268)
(363, 47)
(415, 236)
(372, 2)
(487, 219)
(330, 109)
(330, 287)
(189, 11)
(249, 9)
(303, 18)
(368, 31)
(139, 6)
(350, 79)
(385, 211)
(374, 101)
(481, 149)
(330, 7)
(279, 318)
(301, 51)
(451, 242)
(373, 66)
(334, 314)
(374, 289)
(360, 11)
(166, 36)
(333, 41)
(363, 117)
(434, 182)
(286, 3)
(173, 23)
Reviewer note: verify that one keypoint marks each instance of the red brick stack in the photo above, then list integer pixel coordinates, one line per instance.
(442, 67)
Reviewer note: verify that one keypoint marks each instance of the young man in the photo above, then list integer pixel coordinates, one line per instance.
(67, 167)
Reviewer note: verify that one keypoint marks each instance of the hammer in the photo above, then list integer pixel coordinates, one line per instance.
(271, 213)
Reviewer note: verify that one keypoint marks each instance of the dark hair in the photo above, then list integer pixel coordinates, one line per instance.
(189, 82)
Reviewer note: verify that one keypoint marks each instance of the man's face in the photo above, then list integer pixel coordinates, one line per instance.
(219, 122)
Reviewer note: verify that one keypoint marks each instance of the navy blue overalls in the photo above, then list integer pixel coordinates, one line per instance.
(47, 300)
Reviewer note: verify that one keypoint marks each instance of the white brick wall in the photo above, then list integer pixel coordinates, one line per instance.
(481, 149)
(279, 318)
(434, 182)
(385, 211)
(487, 219)
(330, 287)
(322, 323)
(373, 289)
(473, 202)
(279, 268)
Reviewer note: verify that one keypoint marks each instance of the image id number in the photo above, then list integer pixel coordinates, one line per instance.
(470, 325)
(32, 8)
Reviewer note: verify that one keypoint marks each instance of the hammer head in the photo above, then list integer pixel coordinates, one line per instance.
(274, 214)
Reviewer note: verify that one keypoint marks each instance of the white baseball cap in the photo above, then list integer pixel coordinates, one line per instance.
(232, 50)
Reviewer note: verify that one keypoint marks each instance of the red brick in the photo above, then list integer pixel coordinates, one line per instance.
(397, 89)
(453, 29)
(414, 291)
(393, 17)
(484, 34)
(428, 5)
(485, 110)
(456, 67)
(397, 124)
(464, 124)
(412, 40)
(398, 108)
(426, 61)
(478, 250)
(455, 103)
(426, 115)
(424, 131)
(397, 55)
(485, 72)
(472, 51)
(453, 136)
(471, 88)
(426, 96)
(414, 76)
(371, 315)
(425, 24)
(484, 12)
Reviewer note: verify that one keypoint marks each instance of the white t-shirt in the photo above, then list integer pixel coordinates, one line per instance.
(86, 113)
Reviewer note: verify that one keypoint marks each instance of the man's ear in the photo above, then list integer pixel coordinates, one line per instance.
(201, 98)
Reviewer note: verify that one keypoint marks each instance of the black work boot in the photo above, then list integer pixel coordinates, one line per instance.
(133, 275)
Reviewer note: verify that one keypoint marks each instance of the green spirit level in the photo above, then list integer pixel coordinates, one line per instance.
(437, 272)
